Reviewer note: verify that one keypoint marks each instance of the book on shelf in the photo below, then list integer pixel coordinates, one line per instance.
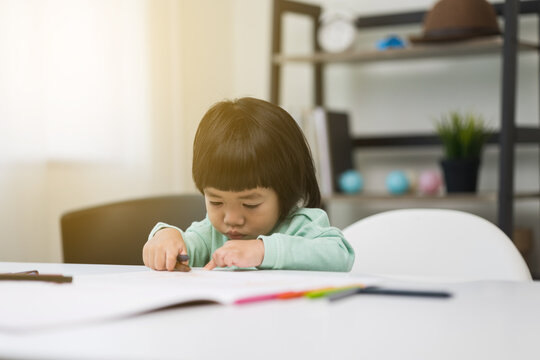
(332, 148)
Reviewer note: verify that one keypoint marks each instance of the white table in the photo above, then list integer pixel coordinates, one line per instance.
(483, 320)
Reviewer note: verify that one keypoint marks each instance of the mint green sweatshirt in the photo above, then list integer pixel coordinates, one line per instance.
(304, 240)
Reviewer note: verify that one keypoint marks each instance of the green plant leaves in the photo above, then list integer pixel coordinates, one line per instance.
(462, 135)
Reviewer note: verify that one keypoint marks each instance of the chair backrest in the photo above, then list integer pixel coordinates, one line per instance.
(115, 233)
(434, 244)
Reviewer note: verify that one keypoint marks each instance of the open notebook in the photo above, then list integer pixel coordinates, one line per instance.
(38, 305)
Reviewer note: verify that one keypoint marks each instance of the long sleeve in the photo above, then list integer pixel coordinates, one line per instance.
(201, 240)
(306, 241)
(303, 241)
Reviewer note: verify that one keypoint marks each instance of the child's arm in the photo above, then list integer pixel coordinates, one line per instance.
(164, 245)
(306, 241)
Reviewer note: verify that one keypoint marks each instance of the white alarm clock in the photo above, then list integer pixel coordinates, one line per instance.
(336, 32)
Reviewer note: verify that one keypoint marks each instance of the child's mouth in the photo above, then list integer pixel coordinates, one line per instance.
(234, 235)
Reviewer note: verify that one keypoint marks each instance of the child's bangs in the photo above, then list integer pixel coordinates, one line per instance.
(232, 167)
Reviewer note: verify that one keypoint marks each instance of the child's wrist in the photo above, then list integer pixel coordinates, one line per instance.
(175, 230)
(260, 250)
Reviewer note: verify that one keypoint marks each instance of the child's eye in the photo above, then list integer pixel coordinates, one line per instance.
(215, 203)
(249, 206)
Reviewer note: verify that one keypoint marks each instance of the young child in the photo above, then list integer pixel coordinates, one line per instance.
(253, 165)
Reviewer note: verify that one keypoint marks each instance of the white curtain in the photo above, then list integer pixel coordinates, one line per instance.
(80, 120)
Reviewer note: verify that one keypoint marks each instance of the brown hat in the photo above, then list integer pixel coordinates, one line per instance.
(451, 20)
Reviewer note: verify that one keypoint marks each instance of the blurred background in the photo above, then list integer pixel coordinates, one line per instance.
(100, 100)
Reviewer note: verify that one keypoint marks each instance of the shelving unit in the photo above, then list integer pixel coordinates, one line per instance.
(508, 46)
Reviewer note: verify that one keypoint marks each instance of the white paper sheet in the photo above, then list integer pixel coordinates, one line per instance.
(38, 305)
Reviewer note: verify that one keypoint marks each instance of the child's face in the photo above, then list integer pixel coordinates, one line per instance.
(244, 214)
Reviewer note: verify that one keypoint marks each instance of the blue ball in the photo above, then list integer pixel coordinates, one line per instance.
(397, 183)
(351, 182)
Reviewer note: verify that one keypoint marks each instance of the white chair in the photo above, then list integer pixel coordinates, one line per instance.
(434, 245)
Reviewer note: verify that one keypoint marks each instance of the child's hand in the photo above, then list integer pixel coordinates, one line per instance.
(160, 252)
(241, 253)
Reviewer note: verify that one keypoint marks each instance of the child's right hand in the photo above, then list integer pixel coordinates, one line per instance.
(161, 251)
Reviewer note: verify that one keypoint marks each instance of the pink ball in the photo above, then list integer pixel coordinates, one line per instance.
(429, 182)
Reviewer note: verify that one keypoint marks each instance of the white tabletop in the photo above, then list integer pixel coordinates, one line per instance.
(482, 320)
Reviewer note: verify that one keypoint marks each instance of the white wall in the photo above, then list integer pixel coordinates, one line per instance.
(74, 107)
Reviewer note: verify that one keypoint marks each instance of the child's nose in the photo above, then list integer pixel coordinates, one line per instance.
(233, 218)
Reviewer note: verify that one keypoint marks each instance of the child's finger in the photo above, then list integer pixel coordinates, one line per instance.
(159, 261)
(228, 260)
(145, 256)
(171, 260)
(211, 264)
(148, 256)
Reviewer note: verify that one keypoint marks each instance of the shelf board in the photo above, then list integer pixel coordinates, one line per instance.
(491, 45)
(484, 197)
(524, 135)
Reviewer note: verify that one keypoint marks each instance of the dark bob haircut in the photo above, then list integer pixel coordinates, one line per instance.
(249, 143)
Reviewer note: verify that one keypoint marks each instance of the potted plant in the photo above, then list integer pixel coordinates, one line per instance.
(463, 137)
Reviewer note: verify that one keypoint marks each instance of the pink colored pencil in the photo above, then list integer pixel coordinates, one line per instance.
(257, 298)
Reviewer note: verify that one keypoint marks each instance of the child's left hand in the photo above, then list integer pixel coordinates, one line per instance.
(241, 253)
